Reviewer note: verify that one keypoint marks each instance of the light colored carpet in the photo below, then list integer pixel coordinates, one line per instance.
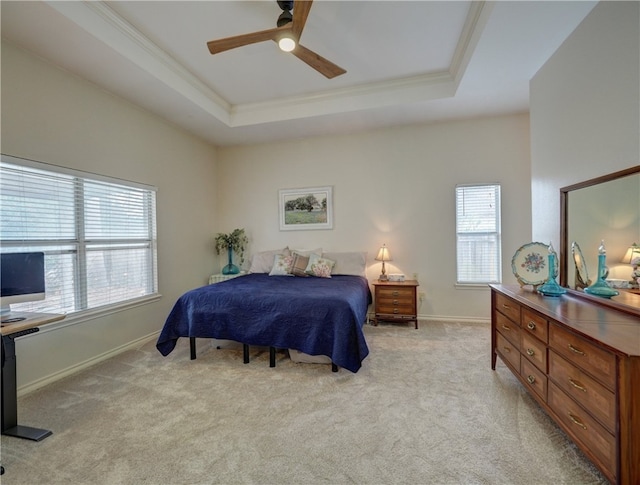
(424, 409)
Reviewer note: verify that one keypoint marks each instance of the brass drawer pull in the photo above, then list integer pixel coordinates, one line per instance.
(530, 352)
(531, 379)
(504, 305)
(507, 349)
(395, 293)
(395, 302)
(505, 327)
(531, 325)
(577, 421)
(575, 350)
(577, 385)
(395, 310)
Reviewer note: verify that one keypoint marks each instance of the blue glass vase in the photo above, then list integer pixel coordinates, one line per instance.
(600, 287)
(551, 287)
(230, 268)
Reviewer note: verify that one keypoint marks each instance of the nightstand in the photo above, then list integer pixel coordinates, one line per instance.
(217, 278)
(396, 301)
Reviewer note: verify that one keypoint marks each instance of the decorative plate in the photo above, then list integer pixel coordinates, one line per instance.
(530, 264)
(582, 275)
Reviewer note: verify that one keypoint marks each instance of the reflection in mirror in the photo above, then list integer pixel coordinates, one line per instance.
(581, 274)
(605, 208)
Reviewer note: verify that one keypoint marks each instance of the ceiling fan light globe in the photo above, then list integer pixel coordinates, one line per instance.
(287, 44)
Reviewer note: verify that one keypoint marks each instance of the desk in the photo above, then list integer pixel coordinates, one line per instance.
(9, 332)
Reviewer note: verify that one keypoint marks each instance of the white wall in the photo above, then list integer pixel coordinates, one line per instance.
(393, 186)
(585, 110)
(51, 116)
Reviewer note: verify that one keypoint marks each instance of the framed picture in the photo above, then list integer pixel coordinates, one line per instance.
(306, 209)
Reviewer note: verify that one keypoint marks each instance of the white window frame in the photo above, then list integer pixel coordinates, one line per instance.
(80, 246)
(478, 236)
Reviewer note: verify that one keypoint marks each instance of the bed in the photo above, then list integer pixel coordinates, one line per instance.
(315, 315)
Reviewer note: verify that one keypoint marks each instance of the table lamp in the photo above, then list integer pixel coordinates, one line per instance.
(383, 255)
(632, 257)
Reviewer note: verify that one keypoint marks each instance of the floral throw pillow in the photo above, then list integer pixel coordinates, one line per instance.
(281, 265)
(319, 266)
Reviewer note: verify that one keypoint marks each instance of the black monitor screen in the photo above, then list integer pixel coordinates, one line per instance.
(21, 273)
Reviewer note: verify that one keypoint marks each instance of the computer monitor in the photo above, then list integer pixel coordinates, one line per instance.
(21, 279)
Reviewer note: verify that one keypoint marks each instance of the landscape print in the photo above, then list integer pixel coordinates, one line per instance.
(306, 208)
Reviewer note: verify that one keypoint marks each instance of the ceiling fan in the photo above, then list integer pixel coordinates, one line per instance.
(286, 34)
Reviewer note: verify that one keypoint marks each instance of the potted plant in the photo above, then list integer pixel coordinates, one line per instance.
(234, 241)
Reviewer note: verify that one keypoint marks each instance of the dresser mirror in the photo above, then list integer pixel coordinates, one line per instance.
(604, 208)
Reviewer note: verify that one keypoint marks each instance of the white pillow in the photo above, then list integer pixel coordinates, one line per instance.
(262, 262)
(308, 252)
(281, 265)
(348, 263)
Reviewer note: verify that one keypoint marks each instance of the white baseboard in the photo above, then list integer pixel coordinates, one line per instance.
(32, 386)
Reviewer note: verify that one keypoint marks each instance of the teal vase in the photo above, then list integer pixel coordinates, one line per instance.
(230, 268)
(600, 287)
(551, 287)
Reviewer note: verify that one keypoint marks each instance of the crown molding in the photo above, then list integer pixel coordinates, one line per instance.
(98, 19)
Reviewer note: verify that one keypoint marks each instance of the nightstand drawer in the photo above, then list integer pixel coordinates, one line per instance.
(395, 302)
(391, 293)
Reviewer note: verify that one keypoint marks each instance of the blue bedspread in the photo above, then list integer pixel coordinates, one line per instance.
(318, 316)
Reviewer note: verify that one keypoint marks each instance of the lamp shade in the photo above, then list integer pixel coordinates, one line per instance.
(632, 253)
(383, 254)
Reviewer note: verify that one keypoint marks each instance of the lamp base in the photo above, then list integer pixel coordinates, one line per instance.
(383, 277)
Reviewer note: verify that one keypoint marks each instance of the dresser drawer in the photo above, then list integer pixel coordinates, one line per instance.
(586, 430)
(591, 395)
(535, 325)
(595, 361)
(508, 351)
(508, 308)
(534, 377)
(509, 329)
(533, 350)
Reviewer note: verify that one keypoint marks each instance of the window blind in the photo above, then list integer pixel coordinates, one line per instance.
(478, 238)
(98, 234)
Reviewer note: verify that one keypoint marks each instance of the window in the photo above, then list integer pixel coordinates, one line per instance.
(478, 240)
(98, 234)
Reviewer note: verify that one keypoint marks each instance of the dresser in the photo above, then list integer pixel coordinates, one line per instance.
(581, 362)
(396, 301)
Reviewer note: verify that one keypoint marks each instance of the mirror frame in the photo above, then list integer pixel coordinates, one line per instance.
(565, 250)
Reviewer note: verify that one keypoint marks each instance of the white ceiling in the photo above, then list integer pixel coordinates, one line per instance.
(406, 61)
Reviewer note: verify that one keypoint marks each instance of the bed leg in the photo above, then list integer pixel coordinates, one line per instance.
(272, 356)
(334, 367)
(245, 353)
(192, 346)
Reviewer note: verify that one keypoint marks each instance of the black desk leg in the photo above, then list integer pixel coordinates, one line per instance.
(10, 426)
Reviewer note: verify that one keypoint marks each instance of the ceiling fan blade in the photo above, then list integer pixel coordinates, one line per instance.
(300, 13)
(221, 45)
(319, 63)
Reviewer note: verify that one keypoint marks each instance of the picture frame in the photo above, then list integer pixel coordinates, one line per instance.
(309, 208)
